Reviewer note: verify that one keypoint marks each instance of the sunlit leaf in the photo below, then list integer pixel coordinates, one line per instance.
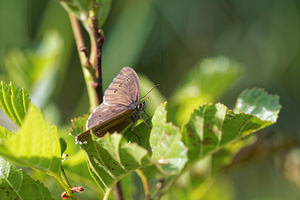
(112, 157)
(5, 133)
(35, 145)
(78, 124)
(257, 102)
(211, 127)
(14, 102)
(165, 139)
(16, 184)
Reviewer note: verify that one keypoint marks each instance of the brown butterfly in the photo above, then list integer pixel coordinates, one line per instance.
(120, 106)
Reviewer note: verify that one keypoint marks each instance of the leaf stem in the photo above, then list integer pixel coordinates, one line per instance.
(87, 68)
(107, 193)
(145, 183)
(65, 185)
(164, 186)
(64, 176)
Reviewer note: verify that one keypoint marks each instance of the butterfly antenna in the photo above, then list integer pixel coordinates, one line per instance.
(149, 91)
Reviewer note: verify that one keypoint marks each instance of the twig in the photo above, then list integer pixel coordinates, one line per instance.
(81, 47)
(118, 191)
(87, 68)
(92, 64)
(97, 40)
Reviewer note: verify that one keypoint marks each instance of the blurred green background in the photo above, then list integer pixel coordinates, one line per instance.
(165, 40)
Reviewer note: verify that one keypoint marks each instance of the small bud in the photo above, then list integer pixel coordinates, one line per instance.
(64, 195)
(77, 189)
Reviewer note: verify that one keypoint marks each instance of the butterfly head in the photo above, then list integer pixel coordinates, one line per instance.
(140, 107)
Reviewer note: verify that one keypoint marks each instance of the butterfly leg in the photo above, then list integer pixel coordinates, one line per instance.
(149, 116)
(145, 122)
(138, 137)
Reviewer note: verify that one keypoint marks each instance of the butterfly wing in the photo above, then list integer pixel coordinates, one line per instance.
(122, 94)
(100, 130)
(119, 102)
(104, 113)
(109, 120)
(124, 90)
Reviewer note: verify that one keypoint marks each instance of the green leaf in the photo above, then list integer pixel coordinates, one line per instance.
(75, 164)
(204, 129)
(211, 127)
(112, 157)
(140, 134)
(78, 8)
(81, 9)
(16, 184)
(257, 102)
(103, 11)
(5, 133)
(35, 145)
(14, 102)
(208, 80)
(36, 69)
(167, 148)
(63, 145)
(78, 124)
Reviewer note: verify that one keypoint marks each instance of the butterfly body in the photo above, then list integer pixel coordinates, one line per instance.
(120, 106)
